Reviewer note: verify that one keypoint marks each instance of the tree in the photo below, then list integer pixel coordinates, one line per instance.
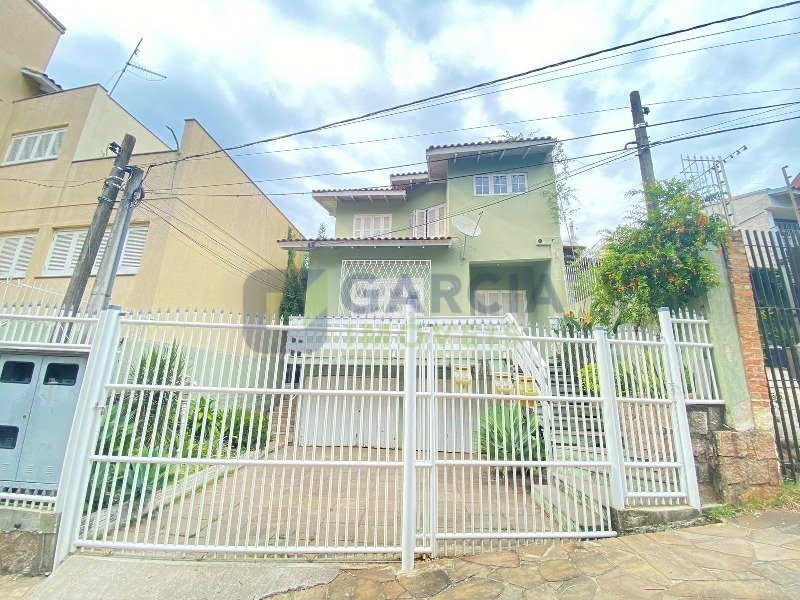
(294, 292)
(656, 259)
(562, 198)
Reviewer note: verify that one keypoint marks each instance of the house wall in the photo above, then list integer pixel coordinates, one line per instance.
(417, 197)
(228, 259)
(519, 234)
(28, 36)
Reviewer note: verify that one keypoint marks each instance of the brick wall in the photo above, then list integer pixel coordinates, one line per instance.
(746, 459)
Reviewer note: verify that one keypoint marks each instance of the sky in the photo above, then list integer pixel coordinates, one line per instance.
(251, 69)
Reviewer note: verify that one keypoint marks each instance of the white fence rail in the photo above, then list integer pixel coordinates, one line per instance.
(212, 434)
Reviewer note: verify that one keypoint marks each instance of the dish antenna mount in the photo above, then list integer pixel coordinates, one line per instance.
(469, 227)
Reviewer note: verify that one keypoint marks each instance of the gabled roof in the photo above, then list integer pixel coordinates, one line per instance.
(399, 242)
(44, 83)
(329, 199)
(403, 179)
(438, 157)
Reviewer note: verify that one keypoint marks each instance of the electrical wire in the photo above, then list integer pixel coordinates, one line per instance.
(478, 152)
(421, 101)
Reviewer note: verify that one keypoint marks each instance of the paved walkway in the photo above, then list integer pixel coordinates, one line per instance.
(755, 556)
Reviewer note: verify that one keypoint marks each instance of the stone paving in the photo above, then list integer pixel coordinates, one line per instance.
(751, 557)
(754, 556)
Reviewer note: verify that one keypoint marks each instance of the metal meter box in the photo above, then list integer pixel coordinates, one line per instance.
(38, 394)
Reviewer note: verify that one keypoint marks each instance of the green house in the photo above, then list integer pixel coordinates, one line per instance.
(474, 235)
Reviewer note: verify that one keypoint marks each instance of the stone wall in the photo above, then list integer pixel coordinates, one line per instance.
(704, 421)
(27, 541)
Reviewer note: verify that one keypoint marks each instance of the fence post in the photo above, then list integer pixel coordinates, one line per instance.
(433, 425)
(75, 474)
(409, 524)
(675, 371)
(611, 426)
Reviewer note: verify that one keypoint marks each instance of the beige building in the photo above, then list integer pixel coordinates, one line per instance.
(189, 244)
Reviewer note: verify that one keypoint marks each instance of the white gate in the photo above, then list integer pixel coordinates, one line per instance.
(213, 434)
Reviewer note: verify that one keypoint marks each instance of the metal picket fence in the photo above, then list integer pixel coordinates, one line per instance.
(211, 434)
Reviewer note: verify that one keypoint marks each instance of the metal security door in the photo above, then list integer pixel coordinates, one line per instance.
(19, 374)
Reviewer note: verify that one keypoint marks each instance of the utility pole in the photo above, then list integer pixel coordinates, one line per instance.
(642, 145)
(791, 193)
(91, 245)
(107, 272)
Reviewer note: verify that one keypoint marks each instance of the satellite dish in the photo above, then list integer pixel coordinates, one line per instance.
(466, 226)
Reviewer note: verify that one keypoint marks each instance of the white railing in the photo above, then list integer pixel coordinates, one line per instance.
(222, 435)
(16, 292)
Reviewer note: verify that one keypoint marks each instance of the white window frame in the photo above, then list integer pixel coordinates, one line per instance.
(129, 264)
(429, 222)
(16, 250)
(514, 302)
(378, 226)
(33, 147)
(500, 184)
(483, 185)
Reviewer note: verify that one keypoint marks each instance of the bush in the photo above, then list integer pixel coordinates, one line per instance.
(508, 432)
(640, 379)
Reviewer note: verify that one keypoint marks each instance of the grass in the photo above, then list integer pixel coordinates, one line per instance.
(787, 498)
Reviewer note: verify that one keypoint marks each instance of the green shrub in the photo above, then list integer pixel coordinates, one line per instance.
(507, 432)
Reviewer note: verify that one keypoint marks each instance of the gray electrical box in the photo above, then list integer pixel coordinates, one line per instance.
(38, 394)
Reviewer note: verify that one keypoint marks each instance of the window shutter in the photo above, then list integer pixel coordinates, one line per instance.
(8, 253)
(133, 251)
(42, 145)
(28, 145)
(100, 252)
(418, 223)
(386, 226)
(60, 256)
(437, 221)
(358, 226)
(13, 149)
(58, 141)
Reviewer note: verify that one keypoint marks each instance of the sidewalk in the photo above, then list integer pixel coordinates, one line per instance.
(754, 556)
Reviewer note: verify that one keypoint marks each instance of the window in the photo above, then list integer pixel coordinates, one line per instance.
(515, 183)
(384, 287)
(499, 184)
(67, 244)
(8, 437)
(15, 371)
(482, 185)
(15, 254)
(34, 146)
(498, 303)
(61, 374)
(519, 183)
(372, 226)
(429, 222)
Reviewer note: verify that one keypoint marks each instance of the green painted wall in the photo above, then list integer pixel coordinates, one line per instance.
(519, 235)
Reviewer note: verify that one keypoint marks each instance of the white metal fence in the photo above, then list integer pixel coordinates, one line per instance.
(211, 434)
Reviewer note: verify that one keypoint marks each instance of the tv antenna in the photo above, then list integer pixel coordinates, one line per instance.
(470, 229)
(129, 64)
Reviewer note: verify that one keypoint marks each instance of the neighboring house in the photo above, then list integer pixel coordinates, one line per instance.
(405, 244)
(204, 235)
(764, 210)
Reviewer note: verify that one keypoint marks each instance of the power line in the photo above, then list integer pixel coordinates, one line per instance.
(220, 259)
(476, 153)
(476, 86)
(231, 236)
(502, 124)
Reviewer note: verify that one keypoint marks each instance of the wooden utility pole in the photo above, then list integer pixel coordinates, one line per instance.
(642, 145)
(102, 214)
(107, 272)
(791, 193)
